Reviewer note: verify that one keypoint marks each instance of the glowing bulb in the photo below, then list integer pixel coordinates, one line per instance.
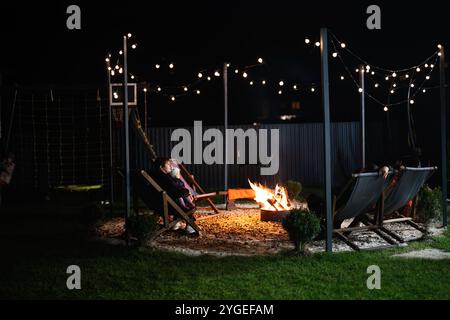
(439, 54)
(386, 109)
(197, 92)
(394, 85)
(360, 90)
(427, 77)
(343, 45)
(426, 65)
(228, 65)
(157, 66)
(245, 75)
(171, 66)
(280, 92)
(117, 67)
(394, 75)
(132, 77)
(439, 46)
(357, 70)
(209, 78)
(120, 70)
(372, 73)
(412, 85)
(121, 52)
(334, 54)
(145, 89)
(411, 101)
(295, 87)
(424, 90)
(281, 83)
(367, 67)
(217, 74)
(313, 89)
(200, 75)
(185, 89)
(129, 35)
(159, 89)
(109, 68)
(392, 91)
(342, 77)
(376, 85)
(172, 98)
(432, 65)
(418, 69)
(263, 82)
(387, 78)
(134, 46)
(107, 59)
(112, 72)
(236, 71)
(317, 44)
(407, 76)
(251, 83)
(260, 60)
(307, 41)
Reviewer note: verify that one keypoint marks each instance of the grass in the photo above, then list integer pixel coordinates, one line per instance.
(36, 253)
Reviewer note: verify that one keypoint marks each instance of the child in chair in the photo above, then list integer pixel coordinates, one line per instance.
(185, 202)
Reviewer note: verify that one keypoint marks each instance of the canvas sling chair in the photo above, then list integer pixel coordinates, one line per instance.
(155, 198)
(198, 196)
(361, 194)
(406, 189)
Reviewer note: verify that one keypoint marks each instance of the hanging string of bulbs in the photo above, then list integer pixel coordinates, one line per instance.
(406, 78)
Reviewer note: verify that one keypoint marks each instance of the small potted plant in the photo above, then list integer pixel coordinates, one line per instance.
(302, 227)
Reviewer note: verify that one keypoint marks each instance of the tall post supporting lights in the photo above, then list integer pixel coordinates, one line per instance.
(362, 91)
(127, 192)
(111, 160)
(326, 136)
(225, 103)
(444, 178)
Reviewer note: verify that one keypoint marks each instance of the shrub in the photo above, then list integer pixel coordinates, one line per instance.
(302, 227)
(293, 188)
(143, 226)
(430, 204)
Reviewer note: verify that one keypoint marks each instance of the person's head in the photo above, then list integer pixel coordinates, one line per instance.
(164, 165)
(175, 173)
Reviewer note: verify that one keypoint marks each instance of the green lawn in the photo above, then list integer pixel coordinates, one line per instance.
(34, 267)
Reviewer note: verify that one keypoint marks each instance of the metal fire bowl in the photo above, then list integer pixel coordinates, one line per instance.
(273, 216)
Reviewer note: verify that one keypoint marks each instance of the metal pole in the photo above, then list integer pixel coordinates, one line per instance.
(326, 136)
(225, 102)
(363, 117)
(126, 138)
(111, 160)
(145, 109)
(442, 67)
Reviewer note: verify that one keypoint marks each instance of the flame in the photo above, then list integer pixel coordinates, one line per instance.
(275, 200)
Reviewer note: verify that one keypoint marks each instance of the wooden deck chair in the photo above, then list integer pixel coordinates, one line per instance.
(363, 192)
(194, 186)
(157, 199)
(407, 188)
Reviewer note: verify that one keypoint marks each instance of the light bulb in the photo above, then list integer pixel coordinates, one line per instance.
(376, 85)
(157, 66)
(317, 44)
(392, 91)
(387, 78)
(342, 78)
(200, 75)
(313, 89)
(171, 66)
(426, 65)
(357, 70)
(407, 76)
(307, 41)
(412, 85)
(185, 89)
(263, 82)
(411, 101)
(372, 73)
(432, 65)
(236, 71)
(334, 54)
(260, 60)
(439, 54)
(386, 109)
(109, 68)
(295, 87)
(394, 85)
(129, 35)
(134, 46)
(197, 92)
(145, 89)
(245, 75)
(343, 45)
(217, 74)
(228, 65)
(107, 59)
(394, 75)
(418, 69)
(172, 98)
(209, 78)
(132, 77)
(117, 67)
(281, 83)
(367, 67)
(251, 83)
(120, 70)
(112, 72)
(439, 46)
(360, 90)
(427, 77)
(159, 89)
(424, 90)
(280, 92)
(121, 52)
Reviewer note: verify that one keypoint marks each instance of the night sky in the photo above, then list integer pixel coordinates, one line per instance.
(38, 50)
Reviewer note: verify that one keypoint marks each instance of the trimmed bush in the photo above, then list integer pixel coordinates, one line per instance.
(302, 227)
(430, 204)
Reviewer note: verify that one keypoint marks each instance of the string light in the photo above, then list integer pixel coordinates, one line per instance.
(281, 83)
(217, 74)
(342, 77)
(109, 68)
(228, 65)
(209, 78)
(412, 85)
(117, 67)
(394, 75)
(334, 54)
(132, 77)
(120, 70)
(157, 66)
(294, 87)
(260, 60)
(145, 89)
(129, 35)
(197, 91)
(159, 89)
(376, 85)
(407, 76)
(172, 98)
(427, 77)
(439, 46)
(392, 91)
(107, 59)
(394, 85)
(343, 45)
(317, 44)
(171, 66)
(307, 41)
(185, 89)
(387, 78)
(280, 92)
(200, 75)
(360, 90)
(236, 71)
(424, 90)
(386, 109)
(411, 101)
(263, 82)
(245, 75)
(112, 72)
(121, 52)
(313, 89)
(251, 83)
(418, 69)
(134, 46)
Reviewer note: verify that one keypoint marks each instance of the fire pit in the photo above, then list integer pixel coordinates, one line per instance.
(273, 216)
(274, 204)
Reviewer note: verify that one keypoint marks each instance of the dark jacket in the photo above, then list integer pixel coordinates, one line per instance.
(172, 186)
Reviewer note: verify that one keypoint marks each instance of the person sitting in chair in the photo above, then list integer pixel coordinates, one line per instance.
(186, 202)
